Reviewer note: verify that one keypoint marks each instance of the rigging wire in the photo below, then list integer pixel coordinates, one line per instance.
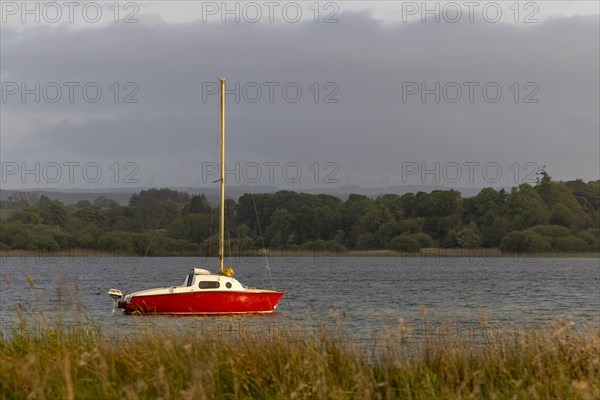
(155, 230)
(210, 234)
(262, 240)
(228, 236)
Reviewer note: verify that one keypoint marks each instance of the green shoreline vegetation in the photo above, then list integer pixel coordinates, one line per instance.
(548, 218)
(40, 359)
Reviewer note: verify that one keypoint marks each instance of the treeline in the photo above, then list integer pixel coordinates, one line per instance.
(546, 217)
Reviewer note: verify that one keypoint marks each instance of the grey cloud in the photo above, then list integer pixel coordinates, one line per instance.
(368, 133)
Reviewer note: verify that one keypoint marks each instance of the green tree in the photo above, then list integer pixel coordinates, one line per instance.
(388, 230)
(411, 225)
(566, 208)
(393, 203)
(105, 202)
(571, 244)
(469, 236)
(198, 205)
(404, 244)
(375, 216)
(487, 208)
(28, 216)
(493, 232)
(333, 246)
(551, 231)
(122, 242)
(53, 213)
(442, 210)
(94, 215)
(281, 228)
(158, 195)
(83, 204)
(424, 240)
(590, 236)
(314, 245)
(543, 185)
(587, 194)
(526, 207)
(524, 242)
(451, 239)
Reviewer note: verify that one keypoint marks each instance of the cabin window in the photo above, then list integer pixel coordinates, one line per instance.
(228, 284)
(208, 285)
(190, 279)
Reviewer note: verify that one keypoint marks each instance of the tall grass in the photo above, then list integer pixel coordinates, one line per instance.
(80, 362)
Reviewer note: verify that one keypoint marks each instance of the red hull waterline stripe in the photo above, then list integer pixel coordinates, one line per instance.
(205, 303)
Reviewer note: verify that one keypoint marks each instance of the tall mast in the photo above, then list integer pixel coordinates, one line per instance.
(222, 224)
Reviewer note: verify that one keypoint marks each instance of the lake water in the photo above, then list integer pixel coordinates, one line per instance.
(364, 293)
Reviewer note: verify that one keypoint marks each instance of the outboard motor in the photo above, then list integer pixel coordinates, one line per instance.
(116, 294)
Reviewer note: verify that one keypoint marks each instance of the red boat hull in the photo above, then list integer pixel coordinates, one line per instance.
(197, 303)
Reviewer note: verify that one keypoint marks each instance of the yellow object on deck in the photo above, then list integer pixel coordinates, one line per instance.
(228, 272)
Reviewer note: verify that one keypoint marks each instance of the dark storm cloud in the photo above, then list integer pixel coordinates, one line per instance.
(369, 132)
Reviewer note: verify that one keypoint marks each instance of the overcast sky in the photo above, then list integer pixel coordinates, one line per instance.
(370, 94)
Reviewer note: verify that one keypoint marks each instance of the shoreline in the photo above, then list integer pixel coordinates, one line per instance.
(299, 253)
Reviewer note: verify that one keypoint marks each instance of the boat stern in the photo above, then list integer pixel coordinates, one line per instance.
(120, 301)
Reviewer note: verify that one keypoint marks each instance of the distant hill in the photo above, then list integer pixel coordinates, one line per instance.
(122, 195)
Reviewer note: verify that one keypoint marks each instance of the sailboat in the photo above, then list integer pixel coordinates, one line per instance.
(203, 292)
